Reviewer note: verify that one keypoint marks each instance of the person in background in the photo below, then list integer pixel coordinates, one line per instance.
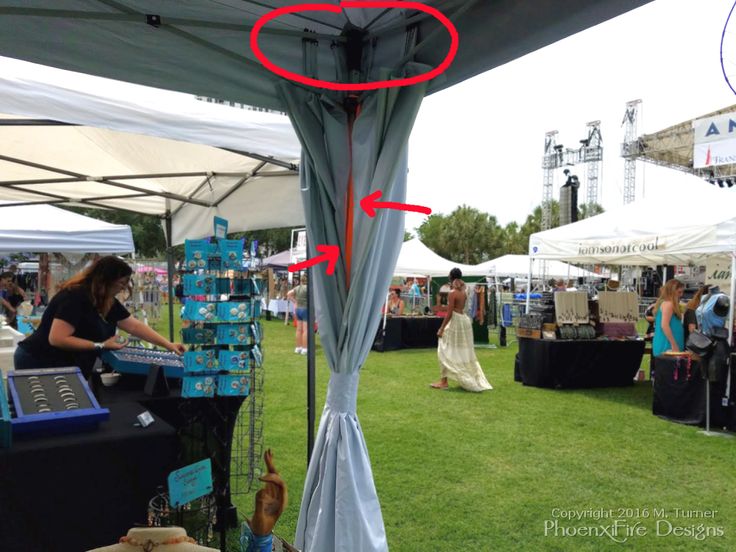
(14, 295)
(690, 321)
(560, 286)
(455, 345)
(81, 321)
(298, 295)
(669, 333)
(395, 303)
(6, 281)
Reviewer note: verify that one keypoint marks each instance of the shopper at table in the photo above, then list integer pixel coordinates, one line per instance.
(298, 295)
(6, 279)
(669, 333)
(455, 346)
(81, 320)
(395, 303)
(13, 295)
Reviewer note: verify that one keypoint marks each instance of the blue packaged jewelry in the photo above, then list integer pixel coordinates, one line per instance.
(233, 385)
(234, 360)
(231, 253)
(196, 254)
(199, 284)
(232, 311)
(200, 311)
(200, 361)
(198, 386)
(234, 334)
(199, 336)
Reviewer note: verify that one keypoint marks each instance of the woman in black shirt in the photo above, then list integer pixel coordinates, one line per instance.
(82, 318)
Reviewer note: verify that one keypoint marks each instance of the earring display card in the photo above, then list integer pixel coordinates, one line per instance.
(233, 385)
(53, 400)
(200, 361)
(198, 386)
(234, 334)
(234, 360)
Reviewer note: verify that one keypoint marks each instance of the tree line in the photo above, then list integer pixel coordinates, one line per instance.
(466, 235)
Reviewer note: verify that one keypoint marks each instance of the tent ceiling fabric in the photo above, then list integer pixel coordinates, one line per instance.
(109, 168)
(202, 47)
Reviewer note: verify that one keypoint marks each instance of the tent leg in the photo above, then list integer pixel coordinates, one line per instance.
(311, 375)
(170, 274)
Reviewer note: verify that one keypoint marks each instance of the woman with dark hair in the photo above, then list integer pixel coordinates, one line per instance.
(455, 346)
(82, 319)
(395, 302)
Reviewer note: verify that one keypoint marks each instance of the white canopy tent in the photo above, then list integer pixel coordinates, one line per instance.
(661, 231)
(416, 258)
(48, 229)
(160, 169)
(517, 266)
(650, 232)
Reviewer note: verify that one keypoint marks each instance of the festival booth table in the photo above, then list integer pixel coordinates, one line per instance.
(408, 332)
(680, 394)
(645, 234)
(568, 364)
(83, 490)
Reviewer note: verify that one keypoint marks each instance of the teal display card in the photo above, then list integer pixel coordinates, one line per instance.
(190, 482)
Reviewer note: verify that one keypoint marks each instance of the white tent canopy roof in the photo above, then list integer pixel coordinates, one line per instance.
(105, 167)
(48, 229)
(517, 266)
(665, 230)
(417, 259)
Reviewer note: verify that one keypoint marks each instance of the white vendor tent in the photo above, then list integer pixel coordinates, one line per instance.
(148, 158)
(48, 229)
(416, 259)
(654, 231)
(517, 266)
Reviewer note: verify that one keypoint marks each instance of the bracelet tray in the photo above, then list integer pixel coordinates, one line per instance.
(26, 421)
(138, 360)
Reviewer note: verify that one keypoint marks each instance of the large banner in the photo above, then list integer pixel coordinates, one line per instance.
(714, 141)
(718, 272)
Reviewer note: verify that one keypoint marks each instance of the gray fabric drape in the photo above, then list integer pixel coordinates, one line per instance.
(340, 509)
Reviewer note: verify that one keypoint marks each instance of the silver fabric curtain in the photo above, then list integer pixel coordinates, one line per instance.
(340, 510)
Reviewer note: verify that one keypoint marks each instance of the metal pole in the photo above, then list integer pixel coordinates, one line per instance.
(311, 373)
(528, 287)
(170, 273)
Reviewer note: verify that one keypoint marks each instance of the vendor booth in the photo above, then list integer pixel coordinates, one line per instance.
(202, 49)
(417, 326)
(646, 234)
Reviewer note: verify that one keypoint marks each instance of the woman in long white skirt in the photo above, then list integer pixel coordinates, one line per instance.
(455, 345)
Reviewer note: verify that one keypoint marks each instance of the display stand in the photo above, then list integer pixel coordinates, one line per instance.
(222, 370)
(707, 430)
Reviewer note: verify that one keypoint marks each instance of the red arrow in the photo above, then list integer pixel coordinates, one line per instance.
(369, 205)
(330, 254)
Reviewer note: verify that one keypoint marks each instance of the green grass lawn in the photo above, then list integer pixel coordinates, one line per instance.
(461, 471)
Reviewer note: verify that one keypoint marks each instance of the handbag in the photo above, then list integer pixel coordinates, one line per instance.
(699, 343)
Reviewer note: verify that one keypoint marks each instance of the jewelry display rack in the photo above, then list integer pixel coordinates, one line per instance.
(222, 373)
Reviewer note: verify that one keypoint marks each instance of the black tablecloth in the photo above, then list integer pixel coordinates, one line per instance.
(407, 332)
(79, 491)
(682, 398)
(579, 364)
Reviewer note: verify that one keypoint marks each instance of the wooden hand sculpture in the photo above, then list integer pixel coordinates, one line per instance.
(270, 500)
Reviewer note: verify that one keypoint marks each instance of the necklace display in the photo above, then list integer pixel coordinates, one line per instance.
(149, 545)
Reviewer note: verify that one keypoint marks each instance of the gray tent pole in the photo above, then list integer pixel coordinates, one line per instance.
(311, 376)
(170, 274)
